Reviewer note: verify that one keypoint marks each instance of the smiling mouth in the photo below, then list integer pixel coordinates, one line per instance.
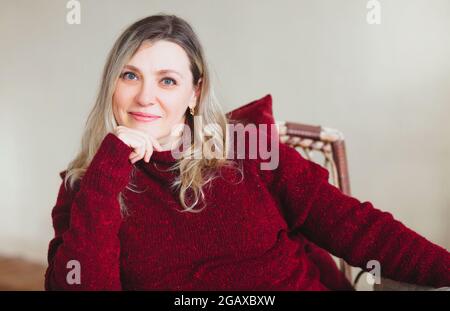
(144, 118)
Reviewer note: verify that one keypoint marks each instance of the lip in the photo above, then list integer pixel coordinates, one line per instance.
(144, 117)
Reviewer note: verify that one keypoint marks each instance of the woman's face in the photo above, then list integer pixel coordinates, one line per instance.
(156, 81)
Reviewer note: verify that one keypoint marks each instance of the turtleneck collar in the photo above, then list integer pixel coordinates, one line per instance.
(163, 157)
(158, 166)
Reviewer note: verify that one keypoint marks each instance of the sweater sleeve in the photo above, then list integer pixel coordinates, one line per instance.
(351, 229)
(84, 254)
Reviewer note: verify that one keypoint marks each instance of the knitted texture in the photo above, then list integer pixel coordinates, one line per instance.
(254, 234)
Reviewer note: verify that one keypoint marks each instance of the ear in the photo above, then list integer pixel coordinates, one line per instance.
(198, 88)
(196, 94)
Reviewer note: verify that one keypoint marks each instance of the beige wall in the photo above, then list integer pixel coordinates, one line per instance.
(387, 87)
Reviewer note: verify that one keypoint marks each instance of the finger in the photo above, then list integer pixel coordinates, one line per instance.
(134, 161)
(140, 142)
(156, 143)
(149, 152)
(148, 145)
(136, 157)
(138, 149)
(140, 155)
(149, 148)
(134, 144)
(132, 155)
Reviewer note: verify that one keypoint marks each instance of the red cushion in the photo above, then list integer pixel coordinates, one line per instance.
(258, 112)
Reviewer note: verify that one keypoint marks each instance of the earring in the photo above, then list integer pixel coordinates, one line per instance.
(191, 110)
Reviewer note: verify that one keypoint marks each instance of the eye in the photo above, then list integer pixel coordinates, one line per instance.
(166, 81)
(128, 75)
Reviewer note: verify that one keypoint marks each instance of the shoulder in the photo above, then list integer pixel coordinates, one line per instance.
(289, 166)
(67, 189)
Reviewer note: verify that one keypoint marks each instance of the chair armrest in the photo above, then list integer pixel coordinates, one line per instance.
(391, 285)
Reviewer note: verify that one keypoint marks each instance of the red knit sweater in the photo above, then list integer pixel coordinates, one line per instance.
(251, 236)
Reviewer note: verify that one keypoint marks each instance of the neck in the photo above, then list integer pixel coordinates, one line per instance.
(169, 142)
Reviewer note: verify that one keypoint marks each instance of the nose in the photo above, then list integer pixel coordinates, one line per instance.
(147, 94)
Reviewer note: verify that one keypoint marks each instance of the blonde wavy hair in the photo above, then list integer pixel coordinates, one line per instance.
(194, 172)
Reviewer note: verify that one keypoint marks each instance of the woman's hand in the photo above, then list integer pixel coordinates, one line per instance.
(141, 143)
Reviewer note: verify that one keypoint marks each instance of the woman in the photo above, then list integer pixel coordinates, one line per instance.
(136, 209)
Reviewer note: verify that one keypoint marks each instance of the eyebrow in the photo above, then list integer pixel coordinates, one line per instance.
(161, 71)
